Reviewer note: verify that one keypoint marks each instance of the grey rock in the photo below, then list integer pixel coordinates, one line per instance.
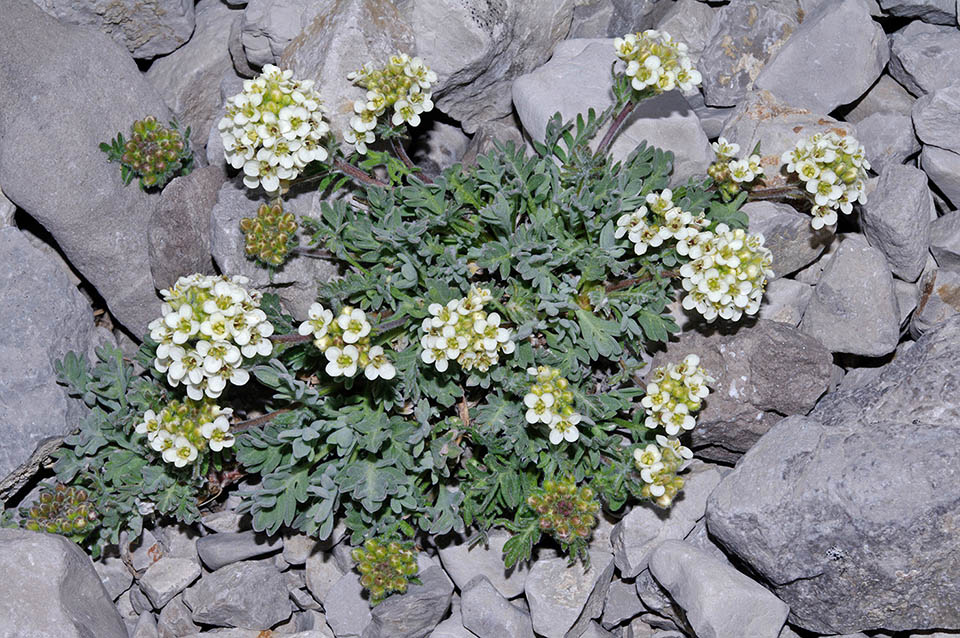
(7, 211)
(621, 605)
(487, 614)
(943, 169)
(175, 620)
(896, 219)
(925, 57)
(267, 28)
(114, 574)
(591, 19)
(503, 130)
(416, 612)
(463, 562)
(908, 296)
(146, 29)
(51, 589)
(577, 78)
(217, 550)
(657, 600)
(945, 240)
(630, 16)
(747, 397)
(168, 577)
(785, 300)
(939, 300)
(690, 22)
(854, 306)
(564, 598)
(645, 528)
(226, 521)
(888, 139)
(712, 118)
(886, 96)
(237, 54)
(746, 36)
(248, 594)
(933, 11)
(716, 598)
(699, 537)
(57, 173)
(788, 235)
(453, 627)
(594, 630)
(298, 548)
(824, 45)
(139, 601)
(322, 573)
(347, 610)
(441, 146)
(146, 627)
(302, 599)
(638, 629)
(935, 116)
(179, 541)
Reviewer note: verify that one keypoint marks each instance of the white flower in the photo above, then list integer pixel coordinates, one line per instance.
(217, 433)
(354, 324)
(149, 425)
(676, 446)
(318, 322)
(564, 428)
(180, 453)
(405, 113)
(539, 407)
(379, 365)
(359, 140)
(647, 457)
(342, 361)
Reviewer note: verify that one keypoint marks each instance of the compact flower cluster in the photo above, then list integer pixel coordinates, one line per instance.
(658, 221)
(270, 235)
(550, 402)
(185, 429)
(464, 332)
(403, 85)
(210, 324)
(385, 567)
(345, 342)
(833, 169)
(656, 62)
(566, 512)
(62, 510)
(727, 273)
(154, 153)
(273, 129)
(732, 174)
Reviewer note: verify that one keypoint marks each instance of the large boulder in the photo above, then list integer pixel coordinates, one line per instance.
(66, 90)
(888, 139)
(886, 96)
(248, 594)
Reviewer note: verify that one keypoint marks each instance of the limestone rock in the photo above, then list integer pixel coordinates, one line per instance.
(267, 28)
(785, 300)
(217, 550)
(249, 594)
(935, 116)
(925, 57)
(939, 300)
(896, 219)
(788, 235)
(463, 563)
(943, 169)
(487, 614)
(175, 621)
(346, 608)
(886, 96)
(416, 612)
(888, 139)
(690, 22)
(933, 11)
(168, 577)
(621, 605)
(564, 598)
(945, 240)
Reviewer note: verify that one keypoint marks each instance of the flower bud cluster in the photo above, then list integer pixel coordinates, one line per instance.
(550, 401)
(273, 129)
(727, 272)
(185, 429)
(385, 567)
(209, 325)
(154, 152)
(345, 342)
(833, 169)
(464, 332)
(674, 393)
(270, 235)
(732, 174)
(567, 512)
(656, 222)
(654, 61)
(62, 510)
(403, 85)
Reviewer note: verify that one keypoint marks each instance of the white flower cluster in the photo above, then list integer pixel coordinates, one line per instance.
(655, 61)
(727, 272)
(273, 129)
(743, 170)
(184, 429)
(209, 325)
(345, 342)
(464, 332)
(833, 169)
(665, 221)
(550, 402)
(403, 85)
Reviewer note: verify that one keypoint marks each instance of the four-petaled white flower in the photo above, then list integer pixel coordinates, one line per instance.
(379, 366)
(538, 407)
(342, 361)
(564, 428)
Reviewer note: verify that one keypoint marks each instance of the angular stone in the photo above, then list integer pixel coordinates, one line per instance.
(248, 594)
(746, 36)
(908, 296)
(829, 38)
(226, 521)
(416, 612)
(945, 240)
(217, 550)
(925, 57)
(690, 22)
(139, 602)
(621, 605)
(712, 118)
(886, 96)
(657, 600)
(7, 211)
(503, 130)
(179, 541)
(935, 117)
(168, 577)
(49, 585)
(146, 627)
(638, 629)
(298, 548)
(488, 614)
(785, 300)
(564, 598)
(175, 620)
(439, 147)
(591, 19)
(896, 219)
(854, 306)
(577, 78)
(267, 28)
(631, 16)
(933, 11)
(463, 563)
(888, 139)
(322, 573)
(939, 300)
(594, 630)
(716, 598)
(943, 169)
(114, 574)
(346, 607)
(788, 235)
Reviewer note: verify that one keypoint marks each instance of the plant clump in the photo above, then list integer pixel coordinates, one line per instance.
(385, 566)
(270, 235)
(155, 154)
(64, 510)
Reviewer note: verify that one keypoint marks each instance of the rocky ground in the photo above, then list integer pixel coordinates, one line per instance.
(827, 494)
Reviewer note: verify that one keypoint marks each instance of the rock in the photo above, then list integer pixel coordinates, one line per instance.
(440, 147)
(716, 598)
(188, 78)
(638, 629)
(146, 627)
(939, 300)
(56, 172)
(50, 585)
(819, 511)
(945, 240)
(935, 116)
(934, 11)
(908, 296)
(657, 600)
(179, 229)
(577, 78)
(564, 598)
(146, 29)
(217, 550)
(631, 16)
(248, 594)
(488, 614)
(825, 45)
(299, 548)
(886, 96)
(943, 169)
(44, 318)
(267, 27)
(925, 57)
(453, 627)
(690, 22)
(226, 521)
(503, 130)
(785, 300)
(347, 609)
(179, 541)
(479, 48)
(699, 537)
(888, 139)
(747, 397)
(591, 19)
(621, 605)
(645, 528)
(139, 602)
(168, 577)
(322, 573)
(463, 562)
(747, 34)
(416, 612)
(595, 631)
(854, 306)
(114, 574)
(896, 219)
(7, 211)
(788, 235)
(175, 620)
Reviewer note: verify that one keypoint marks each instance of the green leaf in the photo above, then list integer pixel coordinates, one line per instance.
(599, 334)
